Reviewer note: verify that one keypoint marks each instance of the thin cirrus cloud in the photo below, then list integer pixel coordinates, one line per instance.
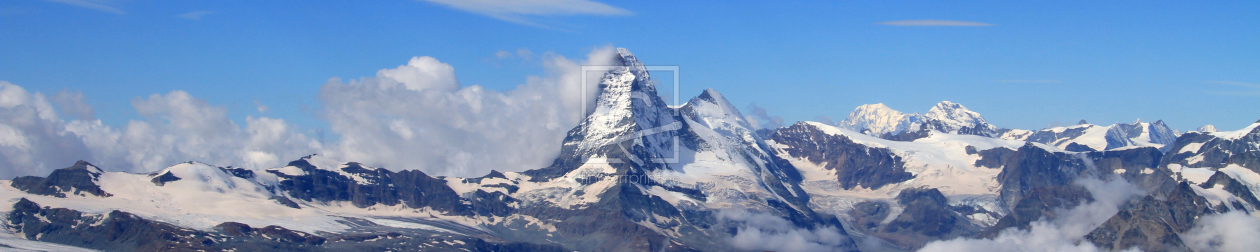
(1029, 81)
(520, 12)
(196, 15)
(929, 22)
(1246, 88)
(98, 5)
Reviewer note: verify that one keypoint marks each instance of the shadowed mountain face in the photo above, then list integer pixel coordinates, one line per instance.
(638, 174)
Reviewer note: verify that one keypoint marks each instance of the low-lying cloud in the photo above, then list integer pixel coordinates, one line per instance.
(1064, 233)
(764, 232)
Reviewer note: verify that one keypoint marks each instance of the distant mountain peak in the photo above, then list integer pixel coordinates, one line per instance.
(877, 119)
(952, 117)
(1207, 128)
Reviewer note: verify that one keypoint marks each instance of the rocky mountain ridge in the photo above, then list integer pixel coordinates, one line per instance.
(640, 175)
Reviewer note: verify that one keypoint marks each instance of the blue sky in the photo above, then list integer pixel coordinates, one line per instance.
(1039, 63)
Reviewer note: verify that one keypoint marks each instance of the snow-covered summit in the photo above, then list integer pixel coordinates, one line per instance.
(1153, 134)
(878, 119)
(952, 117)
(1206, 128)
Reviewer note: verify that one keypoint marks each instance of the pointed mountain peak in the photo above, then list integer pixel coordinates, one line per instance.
(949, 111)
(1135, 122)
(628, 59)
(1082, 122)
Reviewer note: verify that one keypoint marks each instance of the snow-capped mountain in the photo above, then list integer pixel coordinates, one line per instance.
(947, 117)
(878, 119)
(639, 175)
(1086, 137)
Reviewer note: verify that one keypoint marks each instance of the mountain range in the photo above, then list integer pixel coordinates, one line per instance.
(640, 175)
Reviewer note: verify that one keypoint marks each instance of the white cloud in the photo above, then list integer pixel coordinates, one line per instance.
(32, 137)
(178, 127)
(933, 23)
(74, 104)
(99, 5)
(518, 11)
(195, 15)
(1232, 231)
(417, 116)
(421, 73)
(761, 119)
(764, 232)
(1064, 233)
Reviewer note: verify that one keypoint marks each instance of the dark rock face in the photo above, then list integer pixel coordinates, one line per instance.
(78, 179)
(1032, 167)
(855, 164)
(927, 217)
(1216, 152)
(1152, 224)
(161, 180)
(276, 233)
(909, 135)
(411, 187)
(1220, 179)
(1074, 147)
(116, 231)
(1040, 202)
(994, 158)
(286, 202)
(1052, 138)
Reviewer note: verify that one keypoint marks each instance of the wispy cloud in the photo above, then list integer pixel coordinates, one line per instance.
(196, 15)
(99, 5)
(520, 11)
(1029, 81)
(933, 23)
(1247, 88)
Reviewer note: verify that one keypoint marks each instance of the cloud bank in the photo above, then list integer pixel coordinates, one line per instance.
(414, 116)
(417, 116)
(764, 232)
(1064, 233)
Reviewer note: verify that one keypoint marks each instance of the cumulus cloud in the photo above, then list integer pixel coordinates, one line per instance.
(520, 11)
(414, 116)
(417, 116)
(98, 5)
(764, 232)
(73, 103)
(1064, 233)
(933, 23)
(33, 139)
(1232, 231)
(177, 127)
(762, 119)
